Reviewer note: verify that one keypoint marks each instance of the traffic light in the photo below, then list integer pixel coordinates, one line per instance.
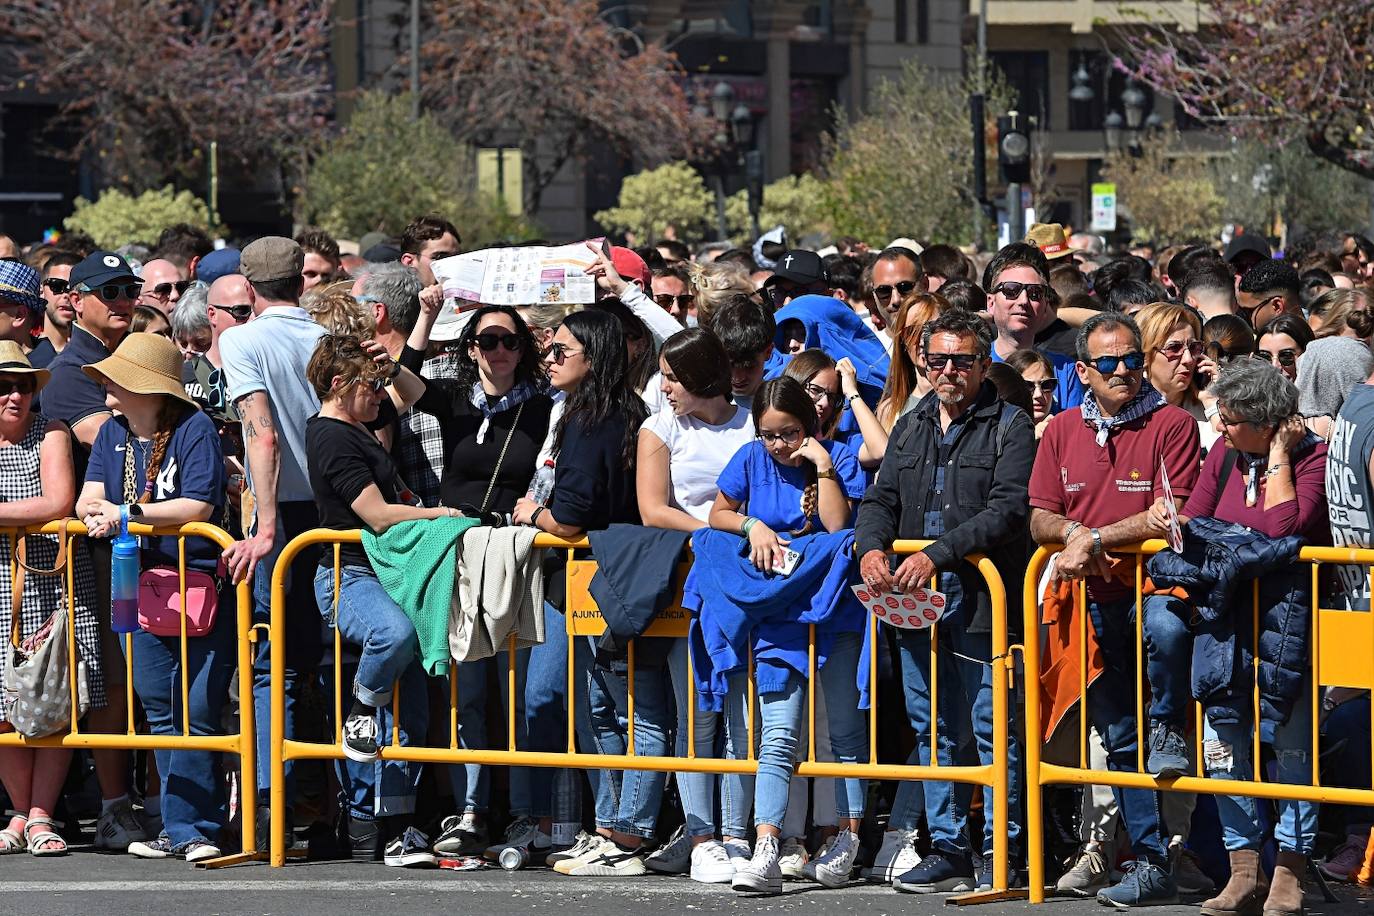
(1013, 147)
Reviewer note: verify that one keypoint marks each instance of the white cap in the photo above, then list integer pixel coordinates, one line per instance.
(904, 242)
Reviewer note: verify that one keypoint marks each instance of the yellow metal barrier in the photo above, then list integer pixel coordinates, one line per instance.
(240, 743)
(1341, 644)
(583, 619)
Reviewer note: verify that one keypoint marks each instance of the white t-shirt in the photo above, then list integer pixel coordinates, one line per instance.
(697, 453)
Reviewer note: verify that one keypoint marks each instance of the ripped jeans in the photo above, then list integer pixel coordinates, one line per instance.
(1227, 750)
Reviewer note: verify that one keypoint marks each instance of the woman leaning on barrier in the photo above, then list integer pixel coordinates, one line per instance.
(36, 486)
(158, 461)
(1262, 494)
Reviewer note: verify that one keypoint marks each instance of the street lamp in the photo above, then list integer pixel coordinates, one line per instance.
(1133, 100)
(1082, 90)
(734, 149)
(1111, 127)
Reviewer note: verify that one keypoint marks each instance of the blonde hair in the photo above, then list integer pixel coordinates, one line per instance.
(713, 283)
(335, 310)
(1343, 309)
(915, 310)
(1156, 322)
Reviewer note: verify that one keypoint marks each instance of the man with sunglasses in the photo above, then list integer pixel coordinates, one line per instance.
(1017, 281)
(227, 306)
(671, 288)
(163, 284)
(59, 311)
(895, 275)
(1267, 290)
(1096, 476)
(955, 471)
(796, 273)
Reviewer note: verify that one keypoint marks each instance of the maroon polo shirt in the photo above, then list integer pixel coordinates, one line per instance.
(1100, 485)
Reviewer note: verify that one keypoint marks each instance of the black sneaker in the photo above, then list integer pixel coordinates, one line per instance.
(938, 873)
(1168, 751)
(984, 883)
(362, 838)
(360, 734)
(410, 850)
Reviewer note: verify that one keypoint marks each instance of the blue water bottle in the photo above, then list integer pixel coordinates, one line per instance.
(124, 578)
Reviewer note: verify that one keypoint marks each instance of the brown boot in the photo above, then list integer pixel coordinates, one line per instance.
(1244, 892)
(1285, 895)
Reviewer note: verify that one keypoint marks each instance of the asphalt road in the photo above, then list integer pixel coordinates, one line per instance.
(113, 885)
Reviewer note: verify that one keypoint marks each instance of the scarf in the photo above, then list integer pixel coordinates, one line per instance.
(518, 395)
(1146, 401)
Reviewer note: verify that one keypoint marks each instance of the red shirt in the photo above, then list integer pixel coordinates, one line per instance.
(1305, 516)
(1101, 485)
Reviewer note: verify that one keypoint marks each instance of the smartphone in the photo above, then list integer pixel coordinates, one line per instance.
(606, 248)
(789, 562)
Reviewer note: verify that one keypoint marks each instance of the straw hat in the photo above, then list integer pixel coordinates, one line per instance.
(1050, 239)
(144, 364)
(13, 360)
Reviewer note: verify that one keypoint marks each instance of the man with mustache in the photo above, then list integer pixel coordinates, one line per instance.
(1096, 475)
(1020, 300)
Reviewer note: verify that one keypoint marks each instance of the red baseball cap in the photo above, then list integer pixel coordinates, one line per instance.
(630, 265)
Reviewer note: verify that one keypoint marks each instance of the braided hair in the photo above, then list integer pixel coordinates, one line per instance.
(168, 416)
(788, 396)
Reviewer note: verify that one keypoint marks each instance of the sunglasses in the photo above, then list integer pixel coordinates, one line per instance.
(113, 292)
(56, 285)
(1012, 290)
(902, 287)
(963, 362)
(489, 342)
(239, 313)
(666, 300)
(164, 290)
(1173, 350)
(817, 392)
(560, 352)
(20, 386)
(1044, 386)
(1106, 365)
(1287, 357)
(378, 385)
(789, 437)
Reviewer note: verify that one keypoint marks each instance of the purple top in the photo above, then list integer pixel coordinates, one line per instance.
(1305, 516)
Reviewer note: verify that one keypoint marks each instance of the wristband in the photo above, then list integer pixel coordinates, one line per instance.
(852, 398)
(1068, 532)
(1213, 411)
(749, 523)
(534, 517)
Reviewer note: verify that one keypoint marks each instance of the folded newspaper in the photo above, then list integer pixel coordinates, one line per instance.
(519, 276)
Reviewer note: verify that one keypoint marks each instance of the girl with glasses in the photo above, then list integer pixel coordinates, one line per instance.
(834, 388)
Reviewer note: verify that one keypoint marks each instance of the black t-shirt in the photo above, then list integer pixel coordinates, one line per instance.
(343, 461)
(42, 355)
(1059, 338)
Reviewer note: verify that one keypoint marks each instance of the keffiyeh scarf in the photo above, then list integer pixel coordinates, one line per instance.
(1146, 400)
(489, 408)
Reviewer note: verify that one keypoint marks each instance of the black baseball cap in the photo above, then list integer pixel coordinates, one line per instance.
(1247, 242)
(99, 268)
(799, 266)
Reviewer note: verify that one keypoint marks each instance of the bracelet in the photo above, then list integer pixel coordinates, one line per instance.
(1274, 469)
(534, 517)
(852, 398)
(749, 523)
(828, 474)
(1213, 411)
(1068, 532)
(1097, 543)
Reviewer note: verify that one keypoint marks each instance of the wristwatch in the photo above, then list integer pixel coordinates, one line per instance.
(1097, 542)
(135, 510)
(828, 474)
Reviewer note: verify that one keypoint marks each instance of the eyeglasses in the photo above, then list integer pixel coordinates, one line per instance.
(1106, 365)
(1044, 386)
(817, 392)
(1228, 422)
(164, 290)
(963, 362)
(1010, 289)
(560, 352)
(1173, 350)
(1287, 357)
(239, 313)
(488, 342)
(791, 436)
(21, 386)
(902, 287)
(666, 300)
(113, 292)
(56, 285)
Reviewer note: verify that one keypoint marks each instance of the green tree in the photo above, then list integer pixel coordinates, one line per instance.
(1264, 181)
(797, 202)
(384, 169)
(117, 218)
(651, 201)
(1170, 198)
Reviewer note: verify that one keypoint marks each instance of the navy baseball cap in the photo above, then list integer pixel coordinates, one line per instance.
(99, 268)
(219, 263)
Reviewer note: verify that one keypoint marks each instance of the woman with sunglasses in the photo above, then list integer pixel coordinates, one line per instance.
(1038, 373)
(493, 415)
(1176, 360)
(1282, 342)
(906, 383)
(790, 482)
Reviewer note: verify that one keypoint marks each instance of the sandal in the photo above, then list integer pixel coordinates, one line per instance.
(11, 840)
(40, 844)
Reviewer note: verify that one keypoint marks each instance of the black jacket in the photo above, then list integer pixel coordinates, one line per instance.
(986, 507)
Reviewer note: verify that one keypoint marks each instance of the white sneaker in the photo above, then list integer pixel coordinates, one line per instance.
(739, 852)
(809, 870)
(793, 859)
(673, 857)
(610, 862)
(762, 874)
(524, 832)
(119, 827)
(711, 863)
(836, 862)
(594, 848)
(201, 851)
(896, 856)
(410, 850)
(581, 844)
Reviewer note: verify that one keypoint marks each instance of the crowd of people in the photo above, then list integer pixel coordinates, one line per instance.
(789, 413)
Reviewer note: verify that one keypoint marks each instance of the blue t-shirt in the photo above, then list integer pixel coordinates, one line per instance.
(193, 468)
(772, 492)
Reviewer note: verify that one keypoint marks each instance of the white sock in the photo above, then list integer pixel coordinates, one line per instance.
(109, 804)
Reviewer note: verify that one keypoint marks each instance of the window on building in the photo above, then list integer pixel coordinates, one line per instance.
(900, 24)
(1107, 84)
(922, 22)
(1028, 75)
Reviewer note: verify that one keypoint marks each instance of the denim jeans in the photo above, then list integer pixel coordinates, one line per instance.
(1111, 708)
(545, 677)
(193, 802)
(806, 794)
(698, 790)
(1169, 658)
(471, 781)
(965, 704)
(627, 801)
(367, 618)
(1226, 750)
(782, 713)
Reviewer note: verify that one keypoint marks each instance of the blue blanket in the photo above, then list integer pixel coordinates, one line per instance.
(735, 606)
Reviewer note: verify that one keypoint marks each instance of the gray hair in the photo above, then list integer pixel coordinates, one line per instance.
(1256, 392)
(1104, 321)
(190, 319)
(398, 288)
(962, 323)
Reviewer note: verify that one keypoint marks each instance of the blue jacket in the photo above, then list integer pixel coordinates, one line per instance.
(735, 606)
(1217, 558)
(833, 327)
(635, 569)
